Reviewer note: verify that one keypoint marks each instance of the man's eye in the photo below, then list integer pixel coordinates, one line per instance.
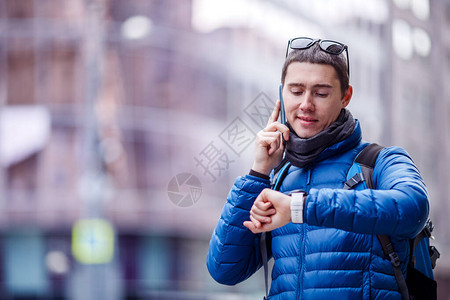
(322, 95)
(297, 93)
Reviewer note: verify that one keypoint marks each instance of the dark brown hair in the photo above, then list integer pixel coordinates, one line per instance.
(315, 55)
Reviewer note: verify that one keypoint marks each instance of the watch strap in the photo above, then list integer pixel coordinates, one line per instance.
(297, 206)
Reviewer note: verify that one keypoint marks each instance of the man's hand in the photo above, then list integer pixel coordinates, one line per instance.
(271, 210)
(269, 144)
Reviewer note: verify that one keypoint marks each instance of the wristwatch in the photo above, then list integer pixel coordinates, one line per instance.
(297, 204)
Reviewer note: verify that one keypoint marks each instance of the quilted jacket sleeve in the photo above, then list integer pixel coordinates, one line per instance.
(233, 254)
(398, 207)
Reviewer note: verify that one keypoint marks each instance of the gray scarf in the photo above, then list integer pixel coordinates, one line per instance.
(301, 152)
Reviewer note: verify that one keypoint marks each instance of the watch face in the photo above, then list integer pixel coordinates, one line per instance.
(297, 204)
(297, 191)
(298, 196)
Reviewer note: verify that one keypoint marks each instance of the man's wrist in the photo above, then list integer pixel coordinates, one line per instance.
(258, 174)
(261, 169)
(297, 206)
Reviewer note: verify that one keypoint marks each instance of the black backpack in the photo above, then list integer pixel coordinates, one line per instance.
(417, 286)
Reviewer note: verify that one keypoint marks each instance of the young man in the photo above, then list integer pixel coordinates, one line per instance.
(329, 250)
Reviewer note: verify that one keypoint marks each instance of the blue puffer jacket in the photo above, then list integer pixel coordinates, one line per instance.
(335, 254)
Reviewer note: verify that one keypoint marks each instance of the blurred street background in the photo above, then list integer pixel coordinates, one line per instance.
(123, 124)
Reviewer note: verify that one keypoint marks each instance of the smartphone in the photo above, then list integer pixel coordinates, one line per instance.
(282, 113)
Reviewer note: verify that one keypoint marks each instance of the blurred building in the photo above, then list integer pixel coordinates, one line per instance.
(105, 104)
(419, 110)
(123, 93)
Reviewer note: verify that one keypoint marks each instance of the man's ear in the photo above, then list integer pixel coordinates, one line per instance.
(347, 96)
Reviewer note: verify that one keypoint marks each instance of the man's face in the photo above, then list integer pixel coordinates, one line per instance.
(312, 97)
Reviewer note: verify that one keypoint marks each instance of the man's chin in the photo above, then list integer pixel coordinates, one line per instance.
(305, 134)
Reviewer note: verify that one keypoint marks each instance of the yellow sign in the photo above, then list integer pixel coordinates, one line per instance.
(93, 241)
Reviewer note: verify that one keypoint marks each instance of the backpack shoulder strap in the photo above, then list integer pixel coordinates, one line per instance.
(263, 249)
(368, 155)
(265, 238)
(366, 159)
(389, 252)
(279, 176)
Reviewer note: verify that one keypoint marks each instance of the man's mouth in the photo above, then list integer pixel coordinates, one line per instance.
(307, 120)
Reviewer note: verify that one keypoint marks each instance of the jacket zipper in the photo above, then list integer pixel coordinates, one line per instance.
(303, 230)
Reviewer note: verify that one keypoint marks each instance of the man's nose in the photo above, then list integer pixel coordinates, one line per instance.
(307, 103)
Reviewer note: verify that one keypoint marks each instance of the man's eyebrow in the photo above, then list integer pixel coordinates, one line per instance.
(295, 84)
(323, 85)
(319, 85)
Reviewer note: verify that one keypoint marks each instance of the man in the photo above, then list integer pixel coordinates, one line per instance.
(329, 250)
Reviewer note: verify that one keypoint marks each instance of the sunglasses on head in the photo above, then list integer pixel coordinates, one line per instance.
(328, 46)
